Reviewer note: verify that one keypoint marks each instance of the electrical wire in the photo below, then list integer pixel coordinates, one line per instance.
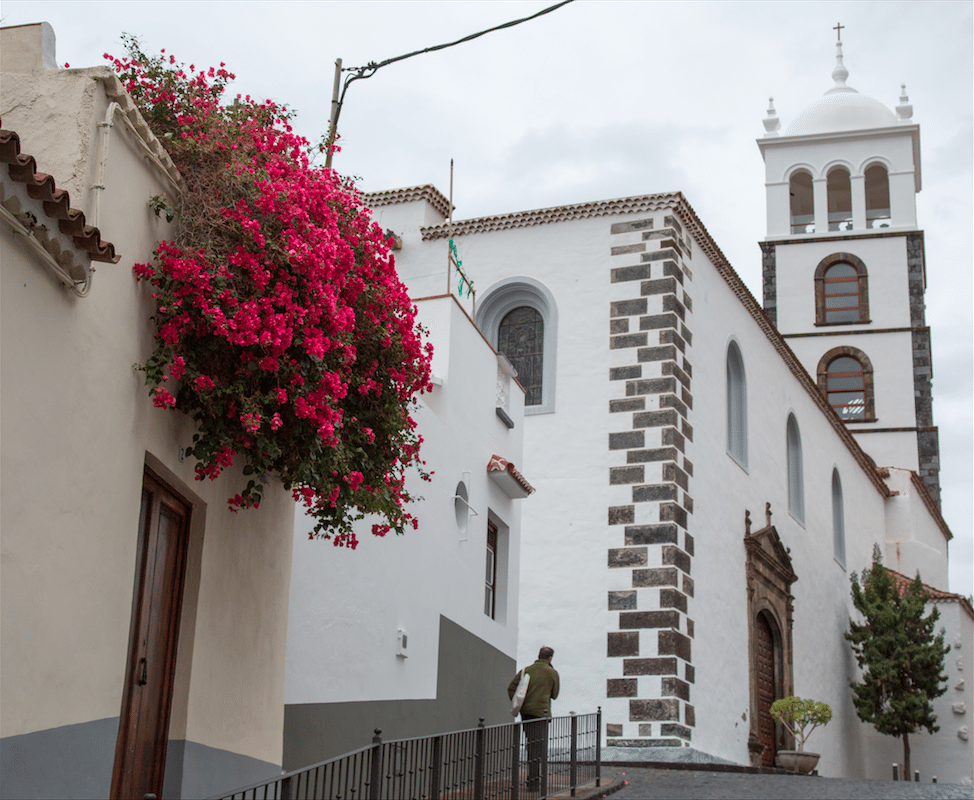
(370, 69)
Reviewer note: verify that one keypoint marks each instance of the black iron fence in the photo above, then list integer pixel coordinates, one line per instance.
(518, 761)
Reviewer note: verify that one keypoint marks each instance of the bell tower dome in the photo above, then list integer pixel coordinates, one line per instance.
(844, 269)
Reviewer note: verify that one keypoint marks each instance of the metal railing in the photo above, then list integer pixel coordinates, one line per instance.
(516, 761)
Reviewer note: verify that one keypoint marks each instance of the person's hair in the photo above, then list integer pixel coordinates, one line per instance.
(545, 652)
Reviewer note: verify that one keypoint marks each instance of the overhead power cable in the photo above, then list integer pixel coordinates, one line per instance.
(372, 67)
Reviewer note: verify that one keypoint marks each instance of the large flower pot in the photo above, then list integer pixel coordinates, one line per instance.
(797, 761)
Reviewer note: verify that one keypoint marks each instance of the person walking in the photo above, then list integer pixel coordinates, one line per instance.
(543, 686)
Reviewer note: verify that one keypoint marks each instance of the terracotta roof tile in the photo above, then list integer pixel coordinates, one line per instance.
(498, 464)
(902, 583)
(57, 203)
(394, 196)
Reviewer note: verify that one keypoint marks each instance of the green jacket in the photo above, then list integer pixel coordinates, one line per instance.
(542, 688)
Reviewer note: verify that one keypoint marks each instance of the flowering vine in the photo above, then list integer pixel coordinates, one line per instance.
(281, 325)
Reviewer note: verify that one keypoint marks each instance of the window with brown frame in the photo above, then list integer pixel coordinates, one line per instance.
(520, 337)
(846, 388)
(490, 589)
(841, 291)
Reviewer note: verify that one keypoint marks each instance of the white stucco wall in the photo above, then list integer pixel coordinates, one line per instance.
(78, 430)
(347, 606)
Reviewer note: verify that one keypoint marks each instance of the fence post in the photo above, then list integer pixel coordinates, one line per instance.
(287, 792)
(573, 769)
(896, 771)
(435, 767)
(546, 753)
(515, 759)
(598, 747)
(916, 776)
(478, 766)
(375, 768)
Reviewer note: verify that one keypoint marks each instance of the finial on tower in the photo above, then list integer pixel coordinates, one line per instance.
(840, 73)
(904, 111)
(771, 122)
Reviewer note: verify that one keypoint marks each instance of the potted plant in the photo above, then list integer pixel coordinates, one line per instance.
(800, 717)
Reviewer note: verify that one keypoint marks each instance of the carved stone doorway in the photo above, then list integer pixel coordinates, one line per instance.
(769, 608)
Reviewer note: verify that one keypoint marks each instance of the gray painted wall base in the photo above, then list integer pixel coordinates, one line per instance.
(472, 678)
(73, 761)
(196, 770)
(671, 755)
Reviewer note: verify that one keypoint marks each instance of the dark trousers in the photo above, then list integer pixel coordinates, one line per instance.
(536, 732)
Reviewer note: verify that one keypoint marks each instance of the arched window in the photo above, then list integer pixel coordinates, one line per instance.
(841, 291)
(736, 405)
(520, 337)
(840, 199)
(519, 318)
(802, 203)
(796, 482)
(845, 376)
(838, 519)
(877, 197)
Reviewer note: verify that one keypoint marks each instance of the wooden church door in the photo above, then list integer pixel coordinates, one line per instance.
(765, 690)
(140, 752)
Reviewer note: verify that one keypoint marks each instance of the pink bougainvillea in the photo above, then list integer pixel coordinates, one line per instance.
(279, 315)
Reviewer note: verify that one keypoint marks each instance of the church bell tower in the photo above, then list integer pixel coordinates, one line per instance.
(844, 271)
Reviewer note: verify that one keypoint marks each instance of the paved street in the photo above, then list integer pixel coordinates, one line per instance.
(700, 785)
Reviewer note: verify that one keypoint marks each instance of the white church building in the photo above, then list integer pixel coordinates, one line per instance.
(710, 471)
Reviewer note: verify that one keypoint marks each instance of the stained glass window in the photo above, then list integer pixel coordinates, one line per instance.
(520, 337)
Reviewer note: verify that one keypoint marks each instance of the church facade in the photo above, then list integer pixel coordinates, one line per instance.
(710, 471)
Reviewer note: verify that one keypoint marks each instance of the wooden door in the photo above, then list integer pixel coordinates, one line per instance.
(140, 752)
(764, 660)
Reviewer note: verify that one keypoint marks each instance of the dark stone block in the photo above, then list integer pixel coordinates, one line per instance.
(688, 466)
(674, 687)
(672, 436)
(633, 620)
(621, 687)
(649, 666)
(650, 386)
(654, 419)
(688, 505)
(687, 585)
(657, 576)
(623, 644)
(690, 673)
(672, 729)
(661, 233)
(621, 515)
(645, 729)
(662, 353)
(628, 340)
(659, 286)
(654, 322)
(671, 472)
(625, 373)
(612, 729)
(670, 303)
(653, 492)
(671, 511)
(672, 268)
(651, 534)
(652, 454)
(672, 401)
(670, 336)
(623, 475)
(674, 643)
(687, 368)
(622, 249)
(626, 440)
(618, 326)
(628, 557)
(643, 743)
(688, 543)
(628, 308)
(622, 601)
(632, 404)
(687, 429)
(670, 368)
(640, 710)
(687, 302)
(690, 627)
(685, 333)
(640, 272)
(672, 222)
(659, 255)
(675, 556)
(690, 714)
(673, 598)
(635, 225)
(686, 397)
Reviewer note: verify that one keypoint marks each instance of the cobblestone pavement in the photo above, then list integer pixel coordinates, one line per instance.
(641, 782)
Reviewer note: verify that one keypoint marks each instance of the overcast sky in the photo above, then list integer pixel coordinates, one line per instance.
(604, 100)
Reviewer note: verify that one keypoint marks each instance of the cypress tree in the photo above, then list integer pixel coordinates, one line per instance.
(901, 657)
